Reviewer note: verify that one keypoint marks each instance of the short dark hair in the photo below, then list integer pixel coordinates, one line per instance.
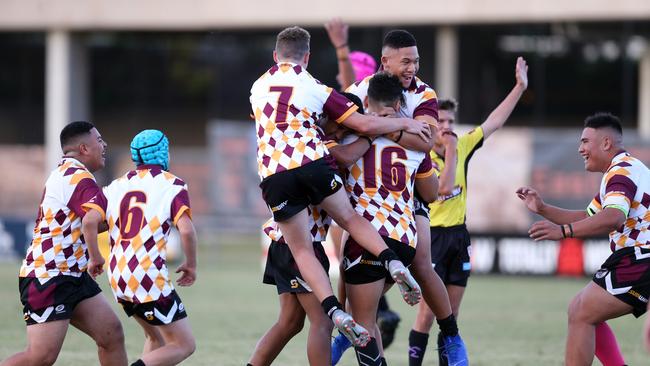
(604, 120)
(74, 130)
(450, 105)
(385, 88)
(292, 43)
(399, 38)
(354, 99)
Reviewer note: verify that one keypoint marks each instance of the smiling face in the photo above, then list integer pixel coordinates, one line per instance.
(93, 151)
(402, 62)
(595, 148)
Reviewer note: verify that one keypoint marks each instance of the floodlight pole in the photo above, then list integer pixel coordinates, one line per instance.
(446, 84)
(644, 96)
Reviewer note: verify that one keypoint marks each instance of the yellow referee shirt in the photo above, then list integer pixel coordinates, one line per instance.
(450, 210)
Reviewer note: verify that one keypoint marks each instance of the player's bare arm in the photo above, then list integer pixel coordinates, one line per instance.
(373, 125)
(556, 215)
(498, 117)
(347, 155)
(188, 242)
(427, 188)
(604, 222)
(414, 142)
(337, 31)
(89, 229)
(448, 174)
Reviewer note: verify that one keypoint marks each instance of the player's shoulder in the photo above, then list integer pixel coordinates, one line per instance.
(71, 171)
(359, 87)
(421, 89)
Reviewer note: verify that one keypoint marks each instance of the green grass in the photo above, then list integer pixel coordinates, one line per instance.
(504, 320)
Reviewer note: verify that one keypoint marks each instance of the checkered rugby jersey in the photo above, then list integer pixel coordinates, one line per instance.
(57, 247)
(319, 223)
(286, 102)
(381, 186)
(626, 186)
(419, 98)
(140, 208)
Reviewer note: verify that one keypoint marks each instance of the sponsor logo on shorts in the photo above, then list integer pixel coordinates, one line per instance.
(371, 263)
(601, 273)
(279, 207)
(60, 309)
(181, 308)
(335, 182)
(638, 296)
(294, 283)
(26, 315)
(148, 315)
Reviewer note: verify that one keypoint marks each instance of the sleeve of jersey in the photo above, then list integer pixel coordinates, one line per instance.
(99, 203)
(470, 142)
(180, 205)
(338, 107)
(426, 168)
(428, 104)
(619, 192)
(594, 206)
(83, 192)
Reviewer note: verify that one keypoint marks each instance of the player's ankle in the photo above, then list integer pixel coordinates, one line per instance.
(330, 305)
(387, 256)
(448, 326)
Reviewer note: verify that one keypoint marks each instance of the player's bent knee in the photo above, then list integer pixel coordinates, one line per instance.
(42, 358)
(112, 336)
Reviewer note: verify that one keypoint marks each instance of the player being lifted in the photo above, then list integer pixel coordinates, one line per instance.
(55, 289)
(381, 185)
(621, 208)
(293, 166)
(140, 208)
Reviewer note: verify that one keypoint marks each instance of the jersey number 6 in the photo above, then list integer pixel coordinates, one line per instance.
(132, 214)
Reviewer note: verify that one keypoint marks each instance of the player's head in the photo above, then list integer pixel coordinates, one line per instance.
(292, 44)
(385, 93)
(399, 56)
(82, 141)
(336, 131)
(601, 140)
(150, 147)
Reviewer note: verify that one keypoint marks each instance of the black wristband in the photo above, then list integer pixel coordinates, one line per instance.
(367, 139)
(401, 132)
(570, 231)
(563, 231)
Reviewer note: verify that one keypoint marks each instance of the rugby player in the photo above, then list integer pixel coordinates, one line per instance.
(621, 209)
(140, 207)
(293, 165)
(55, 288)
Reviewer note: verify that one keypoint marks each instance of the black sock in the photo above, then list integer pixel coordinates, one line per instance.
(383, 361)
(368, 355)
(138, 363)
(417, 347)
(442, 358)
(448, 326)
(386, 256)
(383, 304)
(331, 304)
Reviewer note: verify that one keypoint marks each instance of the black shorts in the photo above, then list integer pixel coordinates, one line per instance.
(282, 271)
(56, 298)
(165, 310)
(450, 254)
(289, 192)
(626, 275)
(421, 207)
(362, 267)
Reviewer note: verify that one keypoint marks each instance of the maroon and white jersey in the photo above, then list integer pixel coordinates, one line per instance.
(626, 186)
(381, 186)
(319, 223)
(57, 247)
(286, 102)
(140, 208)
(419, 98)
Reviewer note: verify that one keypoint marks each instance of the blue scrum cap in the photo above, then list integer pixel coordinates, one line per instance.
(150, 147)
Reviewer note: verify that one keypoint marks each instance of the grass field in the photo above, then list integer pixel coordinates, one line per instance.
(504, 320)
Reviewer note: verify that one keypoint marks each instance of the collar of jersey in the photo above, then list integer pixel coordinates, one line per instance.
(73, 159)
(621, 154)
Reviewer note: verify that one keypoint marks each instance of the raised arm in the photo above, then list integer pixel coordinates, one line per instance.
(498, 117)
(188, 242)
(338, 34)
(89, 228)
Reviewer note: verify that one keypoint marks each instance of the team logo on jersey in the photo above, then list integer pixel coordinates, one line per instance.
(148, 315)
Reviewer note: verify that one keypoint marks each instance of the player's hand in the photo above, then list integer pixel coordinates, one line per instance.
(420, 128)
(449, 139)
(95, 266)
(531, 198)
(545, 230)
(188, 275)
(338, 32)
(521, 73)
